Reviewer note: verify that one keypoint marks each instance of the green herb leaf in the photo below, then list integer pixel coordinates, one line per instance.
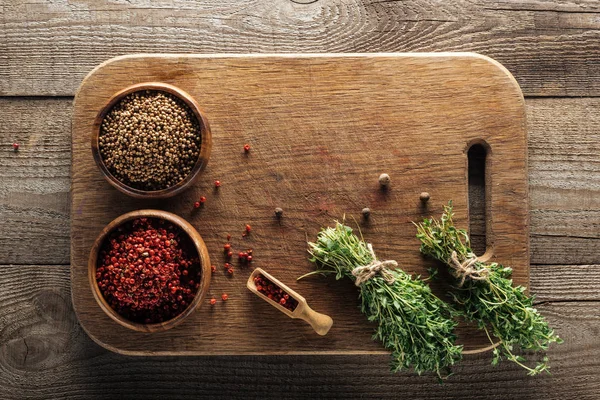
(415, 325)
(494, 302)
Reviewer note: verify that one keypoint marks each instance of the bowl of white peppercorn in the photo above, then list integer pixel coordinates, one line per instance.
(151, 140)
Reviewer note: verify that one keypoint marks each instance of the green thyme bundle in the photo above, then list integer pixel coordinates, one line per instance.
(486, 295)
(415, 325)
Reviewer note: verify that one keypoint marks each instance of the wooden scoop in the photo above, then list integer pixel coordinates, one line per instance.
(321, 323)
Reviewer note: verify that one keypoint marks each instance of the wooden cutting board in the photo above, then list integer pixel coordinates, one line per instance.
(322, 128)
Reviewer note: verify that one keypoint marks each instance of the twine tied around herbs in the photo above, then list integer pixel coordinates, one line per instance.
(467, 269)
(366, 272)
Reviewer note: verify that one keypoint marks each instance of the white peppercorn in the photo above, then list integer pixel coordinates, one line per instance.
(150, 140)
(366, 212)
(384, 180)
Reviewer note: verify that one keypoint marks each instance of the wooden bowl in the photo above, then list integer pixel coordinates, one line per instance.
(204, 265)
(205, 142)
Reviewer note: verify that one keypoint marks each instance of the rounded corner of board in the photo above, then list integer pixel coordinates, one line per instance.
(92, 336)
(502, 70)
(105, 345)
(98, 68)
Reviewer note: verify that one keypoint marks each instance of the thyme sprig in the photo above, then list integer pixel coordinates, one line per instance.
(415, 325)
(494, 303)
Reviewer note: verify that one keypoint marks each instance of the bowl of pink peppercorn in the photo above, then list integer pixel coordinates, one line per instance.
(149, 270)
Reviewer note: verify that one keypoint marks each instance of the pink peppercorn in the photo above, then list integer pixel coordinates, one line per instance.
(135, 265)
(275, 293)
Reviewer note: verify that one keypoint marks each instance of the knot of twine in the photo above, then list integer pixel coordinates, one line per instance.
(467, 269)
(382, 268)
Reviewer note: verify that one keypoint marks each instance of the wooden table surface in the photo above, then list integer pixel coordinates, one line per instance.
(47, 47)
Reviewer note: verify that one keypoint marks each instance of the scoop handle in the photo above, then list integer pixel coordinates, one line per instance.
(321, 323)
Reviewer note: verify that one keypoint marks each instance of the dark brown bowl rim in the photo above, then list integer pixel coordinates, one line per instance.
(205, 141)
(204, 265)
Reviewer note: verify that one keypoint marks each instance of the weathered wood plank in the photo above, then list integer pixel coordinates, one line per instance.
(48, 47)
(45, 354)
(564, 180)
(564, 170)
(34, 193)
(585, 6)
(565, 282)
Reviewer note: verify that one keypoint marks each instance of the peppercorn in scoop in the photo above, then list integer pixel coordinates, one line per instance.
(150, 140)
(274, 292)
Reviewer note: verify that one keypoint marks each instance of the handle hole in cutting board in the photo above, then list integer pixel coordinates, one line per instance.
(477, 177)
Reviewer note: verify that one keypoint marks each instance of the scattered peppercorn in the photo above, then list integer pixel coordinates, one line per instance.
(202, 200)
(366, 212)
(274, 292)
(384, 180)
(150, 140)
(227, 246)
(228, 237)
(213, 301)
(245, 256)
(227, 266)
(146, 270)
(15, 146)
(230, 271)
(229, 254)
(197, 204)
(248, 228)
(246, 148)
(224, 297)
(279, 212)
(213, 268)
(217, 184)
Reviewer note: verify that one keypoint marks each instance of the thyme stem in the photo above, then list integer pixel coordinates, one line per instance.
(415, 325)
(492, 302)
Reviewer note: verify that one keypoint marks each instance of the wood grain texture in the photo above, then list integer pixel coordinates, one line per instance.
(552, 49)
(564, 180)
(45, 354)
(322, 129)
(34, 189)
(564, 176)
(565, 283)
(46, 47)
